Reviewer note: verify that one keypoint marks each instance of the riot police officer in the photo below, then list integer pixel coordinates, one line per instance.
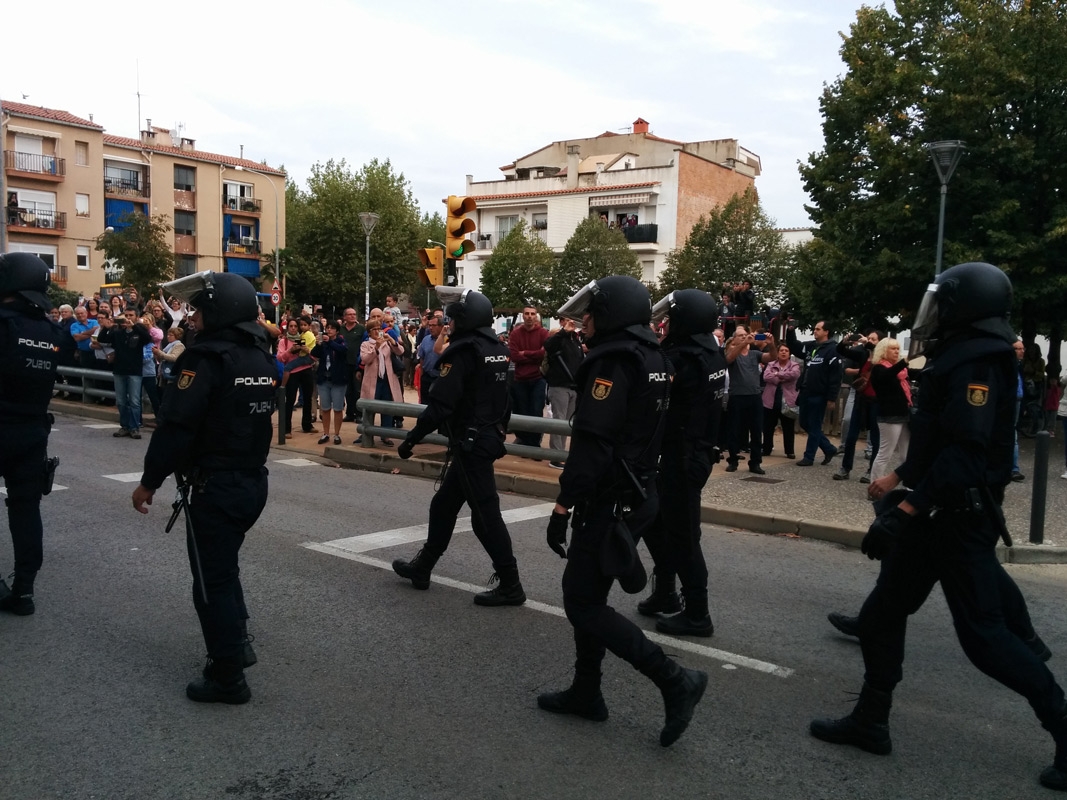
(469, 400)
(29, 355)
(609, 481)
(691, 430)
(214, 435)
(947, 525)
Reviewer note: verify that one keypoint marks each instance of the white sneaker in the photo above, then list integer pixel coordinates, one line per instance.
(1064, 475)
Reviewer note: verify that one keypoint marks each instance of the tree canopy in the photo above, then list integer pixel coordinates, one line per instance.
(140, 246)
(593, 251)
(989, 72)
(519, 271)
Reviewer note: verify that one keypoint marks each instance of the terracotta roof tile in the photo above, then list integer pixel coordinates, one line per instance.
(198, 155)
(554, 192)
(51, 114)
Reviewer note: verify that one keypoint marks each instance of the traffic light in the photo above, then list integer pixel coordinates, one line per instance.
(433, 266)
(458, 225)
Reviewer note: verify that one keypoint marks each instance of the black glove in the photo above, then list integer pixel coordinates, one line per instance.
(557, 532)
(405, 448)
(884, 532)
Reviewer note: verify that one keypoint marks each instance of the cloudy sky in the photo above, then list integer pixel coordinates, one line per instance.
(441, 89)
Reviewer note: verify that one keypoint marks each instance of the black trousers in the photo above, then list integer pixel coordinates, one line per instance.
(222, 511)
(470, 479)
(771, 417)
(673, 539)
(355, 386)
(957, 549)
(597, 626)
(22, 456)
(744, 421)
(303, 380)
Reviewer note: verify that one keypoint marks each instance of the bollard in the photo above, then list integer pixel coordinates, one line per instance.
(279, 403)
(1040, 492)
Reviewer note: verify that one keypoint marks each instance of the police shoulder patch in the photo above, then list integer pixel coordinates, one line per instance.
(445, 369)
(601, 389)
(977, 394)
(185, 380)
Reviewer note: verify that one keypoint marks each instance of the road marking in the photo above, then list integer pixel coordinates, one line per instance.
(417, 533)
(55, 488)
(125, 477)
(103, 426)
(297, 462)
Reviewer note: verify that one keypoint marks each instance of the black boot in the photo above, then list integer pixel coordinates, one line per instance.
(418, 569)
(664, 599)
(248, 655)
(507, 591)
(867, 727)
(18, 599)
(1055, 777)
(681, 689)
(850, 626)
(694, 620)
(583, 699)
(223, 681)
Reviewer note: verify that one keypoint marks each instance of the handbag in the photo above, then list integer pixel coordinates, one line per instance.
(398, 364)
(166, 370)
(790, 412)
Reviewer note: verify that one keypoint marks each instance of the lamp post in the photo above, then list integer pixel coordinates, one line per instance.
(369, 220)
(277, 267)
(946, 155)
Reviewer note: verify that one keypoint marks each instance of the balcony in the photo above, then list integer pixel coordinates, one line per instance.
(126, 187)
(59, 275)
(29, 219)
(38, 167)
(485, 241)
(642, 234)
(185, 244)
(242, 205)
(242, 247)
(185, 199)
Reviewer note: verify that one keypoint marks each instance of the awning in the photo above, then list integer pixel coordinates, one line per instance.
(604, 200)
(34, 132)
(249, 267)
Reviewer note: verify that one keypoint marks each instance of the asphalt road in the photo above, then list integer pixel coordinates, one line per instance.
(367, 688)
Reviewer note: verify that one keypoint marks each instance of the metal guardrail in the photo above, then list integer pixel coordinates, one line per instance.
(518, 423)
(93, 376)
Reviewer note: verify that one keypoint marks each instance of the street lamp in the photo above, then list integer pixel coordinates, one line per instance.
(369, 220)
(946, 155)
(277, 269)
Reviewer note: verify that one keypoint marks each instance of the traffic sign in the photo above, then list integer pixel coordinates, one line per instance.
(276, 288)
(276, 298)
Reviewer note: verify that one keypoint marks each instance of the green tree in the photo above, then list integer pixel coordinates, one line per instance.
(736, 241)
(593, 251)
(989, 72)
(519, 272)
(140, 246)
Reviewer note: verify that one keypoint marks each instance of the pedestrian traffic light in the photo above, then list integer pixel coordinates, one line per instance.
(433, 266)
(458, 225)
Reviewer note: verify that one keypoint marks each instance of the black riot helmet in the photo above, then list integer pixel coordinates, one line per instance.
(974, 296)
(467, 309)
(224, 300)
(692, 314)
(26, 275)
(617, 303)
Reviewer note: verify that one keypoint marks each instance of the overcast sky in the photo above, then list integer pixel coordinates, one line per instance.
(441, 89)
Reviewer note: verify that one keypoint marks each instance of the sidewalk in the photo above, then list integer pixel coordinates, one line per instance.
(791, 500)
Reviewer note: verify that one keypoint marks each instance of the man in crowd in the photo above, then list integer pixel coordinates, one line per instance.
(527, 345)
(1020, 390)
(744, 355)
(128, 336)
(856, 362)
(354, 334)
(305, 378)
(564, 353)
(818, 388)
(428, 357)
(81, 331)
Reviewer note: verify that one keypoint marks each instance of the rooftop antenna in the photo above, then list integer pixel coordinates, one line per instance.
(138, 70)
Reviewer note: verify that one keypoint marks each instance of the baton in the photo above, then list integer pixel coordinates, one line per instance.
(181, 501)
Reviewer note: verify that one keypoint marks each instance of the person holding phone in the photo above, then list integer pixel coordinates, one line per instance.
(129, 337)
(744, 414)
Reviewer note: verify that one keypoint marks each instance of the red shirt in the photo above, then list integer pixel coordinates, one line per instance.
(527, 351)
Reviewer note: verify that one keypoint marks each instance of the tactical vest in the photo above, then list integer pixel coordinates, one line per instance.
(237, 433)
(696, 396)
(29, 355)
(486, 405)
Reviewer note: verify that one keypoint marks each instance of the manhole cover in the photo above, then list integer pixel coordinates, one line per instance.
(758, 479)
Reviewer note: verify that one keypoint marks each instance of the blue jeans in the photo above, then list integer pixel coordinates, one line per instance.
(128, 399)
(812, 411)
(528, 400)
(864, 415)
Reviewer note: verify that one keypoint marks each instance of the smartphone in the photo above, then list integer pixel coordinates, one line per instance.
(760, 337)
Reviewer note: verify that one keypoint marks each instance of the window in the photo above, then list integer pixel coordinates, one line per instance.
(83, 257)
(81, 205)
(185, 222)
(119, 179)
(233, 192)
(81, 154)
(46, 253)
(184, 265)
(184, 178)
(242, 233)
(504, 226)
(539, 222)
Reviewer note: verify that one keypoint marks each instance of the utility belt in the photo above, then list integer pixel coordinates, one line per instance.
(983, 501)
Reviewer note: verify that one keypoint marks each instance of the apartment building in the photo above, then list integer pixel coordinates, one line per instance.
(653, 189)
(65, 181)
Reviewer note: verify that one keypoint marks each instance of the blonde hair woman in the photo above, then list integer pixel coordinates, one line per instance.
(889, 377)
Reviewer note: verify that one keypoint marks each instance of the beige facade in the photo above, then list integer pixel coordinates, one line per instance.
(654, 189)
(65, 181)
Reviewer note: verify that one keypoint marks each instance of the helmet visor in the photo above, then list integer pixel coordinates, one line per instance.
(185, 289)
(579, 304)
(451, 294)
(926, 320)
(662, 309)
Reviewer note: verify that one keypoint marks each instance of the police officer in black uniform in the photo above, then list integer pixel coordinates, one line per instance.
(691, 430)
(214, 435)
(947, 525)
(470, 402)
(29, 355)
(609, 481)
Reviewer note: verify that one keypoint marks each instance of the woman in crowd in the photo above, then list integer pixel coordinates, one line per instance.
(379, 378)
(148, 362)
(331, 379)
(118, 303)
(166, 357)
(889, 377)
(292, 350)
(779, 390)
(92, 307)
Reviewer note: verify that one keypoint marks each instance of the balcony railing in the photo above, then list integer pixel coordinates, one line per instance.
(249, 205)
(59, 275)
(242, 246)
(185, 243)
(36, 218)
(126, 187)
(51, 166)
(639, 234)
(487, 243)
(539, 233)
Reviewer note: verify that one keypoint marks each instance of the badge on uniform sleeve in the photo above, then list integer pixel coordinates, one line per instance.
(445, 369)
(185, 380)
(977, 394)
(601, 389)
